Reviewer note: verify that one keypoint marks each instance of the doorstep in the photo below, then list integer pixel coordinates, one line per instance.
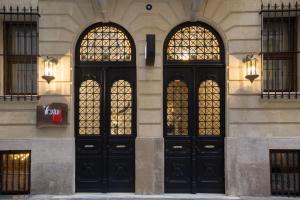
(127, 196)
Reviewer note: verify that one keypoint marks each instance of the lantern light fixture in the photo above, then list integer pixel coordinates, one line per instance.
(49, 63)
(250, 62)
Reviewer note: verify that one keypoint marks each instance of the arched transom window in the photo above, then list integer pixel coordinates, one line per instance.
(105, 43)
(177, 108)
(193, 43)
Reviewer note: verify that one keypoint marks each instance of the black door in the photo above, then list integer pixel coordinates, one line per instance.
(194, 130)
(194, 109)
(105, 107)
(105, 130)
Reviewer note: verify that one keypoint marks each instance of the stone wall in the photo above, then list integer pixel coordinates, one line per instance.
(253, 125)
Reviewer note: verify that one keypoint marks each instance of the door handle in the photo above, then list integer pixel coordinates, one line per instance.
(209, 146)
(121, 146)
(89, 146)
(177, 147)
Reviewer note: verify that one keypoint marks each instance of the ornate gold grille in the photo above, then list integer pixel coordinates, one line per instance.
(121, 108)
(177, 108)
(89, 108)
(209, 108)
(193, 43)
(105, 43)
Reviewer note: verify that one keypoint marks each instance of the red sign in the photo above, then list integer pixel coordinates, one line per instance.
(52, 115)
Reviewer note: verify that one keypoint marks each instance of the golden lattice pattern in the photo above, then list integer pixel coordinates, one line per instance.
(105, 43)
(193, 43)
(209, 108)
(121, 108)
(89, 108)
(177, 108)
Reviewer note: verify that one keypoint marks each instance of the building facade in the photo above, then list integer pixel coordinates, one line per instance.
(150, 97)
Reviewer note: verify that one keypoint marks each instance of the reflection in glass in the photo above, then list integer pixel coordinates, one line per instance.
(121, 108)
(177, 108)
(89, 108)
(209, 108)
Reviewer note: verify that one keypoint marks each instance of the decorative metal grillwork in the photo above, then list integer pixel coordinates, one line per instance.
(209, 108)
(285, 172)
(121, 108)
(15, 172)
(20, 53)
(89, 108)
(105, 43)
(193, 43)
(177, 108)
(279, 50)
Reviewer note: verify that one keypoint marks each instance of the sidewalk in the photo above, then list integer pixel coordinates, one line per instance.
(123, 196)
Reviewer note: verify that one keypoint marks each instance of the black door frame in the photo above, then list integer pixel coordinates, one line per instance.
(193, 67)
(103, 68)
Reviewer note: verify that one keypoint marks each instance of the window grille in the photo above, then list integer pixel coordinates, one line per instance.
(20, 52)
(89, 108)
(193, 43)
(121, 108)
(15, 172)
(285, 172)
(209, 109)
(106, 44)
(177, 108)
(279, 24)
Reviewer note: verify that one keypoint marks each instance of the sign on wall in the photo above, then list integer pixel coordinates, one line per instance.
(52, 115)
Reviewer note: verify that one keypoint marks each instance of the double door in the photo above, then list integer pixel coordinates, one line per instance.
(105, 126)
(194, 113)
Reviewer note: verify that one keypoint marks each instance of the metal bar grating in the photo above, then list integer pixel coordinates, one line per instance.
(15, 172)
(20, 44)
(285, 172)
(279, 51)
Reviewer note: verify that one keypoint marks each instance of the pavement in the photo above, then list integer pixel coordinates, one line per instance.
(123, 196)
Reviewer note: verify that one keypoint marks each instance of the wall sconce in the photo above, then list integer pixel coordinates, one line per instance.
(49, 63)
(250, 61)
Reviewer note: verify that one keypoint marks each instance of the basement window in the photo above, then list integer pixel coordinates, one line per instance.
(285, 172)
(20, 52)
(15, 172)
(279, 47)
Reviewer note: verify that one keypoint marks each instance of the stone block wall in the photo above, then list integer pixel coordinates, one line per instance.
(253, 125)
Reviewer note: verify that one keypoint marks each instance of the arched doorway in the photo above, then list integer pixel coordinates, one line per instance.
(105, 109)
(194, 109)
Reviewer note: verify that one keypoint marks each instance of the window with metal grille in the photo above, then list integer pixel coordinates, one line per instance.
(121, 108)
(177, 108)
(15, 172)
(193, 43)
(20, 51)
(209, 108)
(279, 50)
(106, 44)
(285, 172)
